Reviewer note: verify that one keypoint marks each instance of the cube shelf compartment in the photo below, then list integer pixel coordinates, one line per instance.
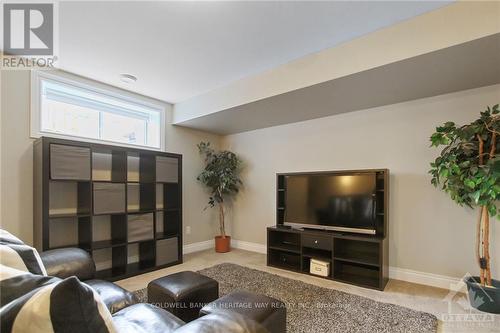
(167, 250)
(110, 262)
(358, 274)
(109, 231)
(353, 251)
(69, 162)
(171, 201)
(141, 255)
(70, 232)
(133, 168)
(160, 204)
(141, 197)
(69, 198)
(122, 205)
(140, 227)
(166, 169)
(165, 196)
(167, 223)
(284, 259)
(109, 198)
(109, 165)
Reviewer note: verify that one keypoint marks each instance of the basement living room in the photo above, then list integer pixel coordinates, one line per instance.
(281, 166)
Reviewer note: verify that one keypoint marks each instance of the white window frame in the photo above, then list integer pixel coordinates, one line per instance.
(65, 78)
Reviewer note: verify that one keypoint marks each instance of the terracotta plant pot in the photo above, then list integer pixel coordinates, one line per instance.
(222, 245)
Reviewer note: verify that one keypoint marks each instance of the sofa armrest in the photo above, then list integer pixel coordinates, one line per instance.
(145, 318)
(222, 322)
(63, 263)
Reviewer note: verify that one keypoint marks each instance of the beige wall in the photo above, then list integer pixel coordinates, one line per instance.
(16, 206)
(203, 222)
(17, 155)
(428, 232)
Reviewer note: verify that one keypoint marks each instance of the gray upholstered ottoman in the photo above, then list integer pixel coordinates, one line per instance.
(183, 294)
(267, 311)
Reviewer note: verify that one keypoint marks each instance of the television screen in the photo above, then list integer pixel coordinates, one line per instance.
(331, 200)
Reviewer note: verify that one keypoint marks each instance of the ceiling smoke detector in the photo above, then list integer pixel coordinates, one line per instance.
(128, 78)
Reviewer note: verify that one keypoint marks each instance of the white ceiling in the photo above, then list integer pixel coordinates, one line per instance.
(179, 50)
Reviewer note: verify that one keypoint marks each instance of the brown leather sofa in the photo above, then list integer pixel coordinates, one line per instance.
(129, 316)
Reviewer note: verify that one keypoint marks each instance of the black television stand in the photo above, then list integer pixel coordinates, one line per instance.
(359, 259)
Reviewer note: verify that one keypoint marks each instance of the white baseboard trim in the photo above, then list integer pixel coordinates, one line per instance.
(396, 273)
(237, 244)
(429, 279)
(249, 246)
(196, 247)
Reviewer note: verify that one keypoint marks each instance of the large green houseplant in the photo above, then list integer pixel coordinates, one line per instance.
(468, 169)
(221, 176)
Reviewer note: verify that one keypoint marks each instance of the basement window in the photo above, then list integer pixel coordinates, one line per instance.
(72, 108)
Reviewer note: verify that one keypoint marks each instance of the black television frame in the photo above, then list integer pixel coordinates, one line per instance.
(382, 197)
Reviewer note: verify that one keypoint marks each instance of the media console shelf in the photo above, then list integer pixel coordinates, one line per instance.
(358, 259)
(122, 205)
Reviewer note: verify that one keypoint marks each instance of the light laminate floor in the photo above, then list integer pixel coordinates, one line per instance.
(419, 297)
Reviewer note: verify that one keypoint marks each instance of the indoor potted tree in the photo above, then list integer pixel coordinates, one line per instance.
(468, 169)
(221, 176)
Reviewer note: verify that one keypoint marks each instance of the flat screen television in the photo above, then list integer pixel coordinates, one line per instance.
(342, 202)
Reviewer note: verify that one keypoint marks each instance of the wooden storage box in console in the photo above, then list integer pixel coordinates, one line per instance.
(122, 205)
(319, 267)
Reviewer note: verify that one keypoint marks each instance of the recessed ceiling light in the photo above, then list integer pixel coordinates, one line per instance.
(128, 78)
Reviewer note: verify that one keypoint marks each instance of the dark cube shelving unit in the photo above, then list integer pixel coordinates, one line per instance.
(122, 205)
(358, 259)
